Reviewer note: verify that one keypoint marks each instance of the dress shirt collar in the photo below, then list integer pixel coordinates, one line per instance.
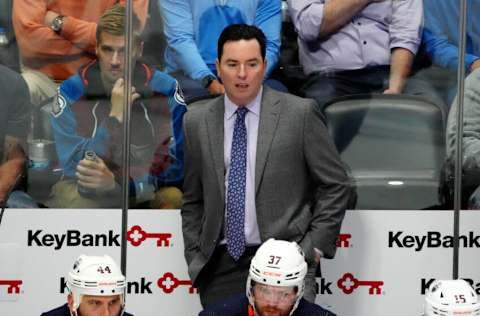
(253, 107)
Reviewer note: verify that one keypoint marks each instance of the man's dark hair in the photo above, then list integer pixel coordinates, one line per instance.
(237, 32)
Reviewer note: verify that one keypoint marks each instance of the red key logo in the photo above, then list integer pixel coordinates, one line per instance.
(13, 285)
(136, 236)
(343, 240)
(348, 283)
(168, 283)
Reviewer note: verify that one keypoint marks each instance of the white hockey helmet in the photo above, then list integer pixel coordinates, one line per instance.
(278, 263)
(451, 298)
(95, 275)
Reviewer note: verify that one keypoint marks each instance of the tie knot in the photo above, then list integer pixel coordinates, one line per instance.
(241, 112)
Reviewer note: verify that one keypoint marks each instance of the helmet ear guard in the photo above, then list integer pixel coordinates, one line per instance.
(95, 275)
(278, 263)
(451, 297)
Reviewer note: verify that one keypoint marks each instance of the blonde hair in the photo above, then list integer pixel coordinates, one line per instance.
(114, 23)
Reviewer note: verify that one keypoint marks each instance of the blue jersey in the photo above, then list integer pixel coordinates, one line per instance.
(238, 305)
(81, 122)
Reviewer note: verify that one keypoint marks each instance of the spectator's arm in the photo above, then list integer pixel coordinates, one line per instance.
(17, 128)
(406, 25)
(69, 145)
(269, 18)
(400, 65)
(405, 35)
(175, 146)
(34, 38)
(13, 167)
(443, 52)
(179, 31)
(314, 19)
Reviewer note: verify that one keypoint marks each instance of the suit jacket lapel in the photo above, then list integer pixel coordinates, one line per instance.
(215, 130)
(269, 115)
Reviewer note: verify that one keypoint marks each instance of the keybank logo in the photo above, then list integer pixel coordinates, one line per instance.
(136, 236)
(425, 285)
(344, 240)
(12, 286)
(167, 284)
(432, 239)
(348, 284)
(72, 238)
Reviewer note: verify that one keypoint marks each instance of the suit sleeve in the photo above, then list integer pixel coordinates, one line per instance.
(333, 187)
(193, 205)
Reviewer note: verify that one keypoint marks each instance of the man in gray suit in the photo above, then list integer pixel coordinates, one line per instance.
(259, 164)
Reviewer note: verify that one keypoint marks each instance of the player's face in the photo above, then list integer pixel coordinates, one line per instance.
(273, 300)
(92, 305)
(241, 69)
(111, 57)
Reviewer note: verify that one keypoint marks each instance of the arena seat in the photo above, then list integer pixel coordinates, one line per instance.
(395, 147)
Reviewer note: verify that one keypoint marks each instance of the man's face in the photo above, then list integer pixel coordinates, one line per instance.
(273, 300)
(110, 53)
(93, 305)
(241, 69)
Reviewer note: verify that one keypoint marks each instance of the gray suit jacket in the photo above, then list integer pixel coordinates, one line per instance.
(301, 186)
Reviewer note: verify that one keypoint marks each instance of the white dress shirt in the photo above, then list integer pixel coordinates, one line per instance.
(252, 118)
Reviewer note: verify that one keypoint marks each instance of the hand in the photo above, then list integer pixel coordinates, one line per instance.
(118, 97)
(216, 87)
(49, 17)
(392, 91)
(475, 65)
(95, 175)
(318, 255)
(9, 172)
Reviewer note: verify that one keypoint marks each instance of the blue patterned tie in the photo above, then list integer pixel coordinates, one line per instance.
(234, 230)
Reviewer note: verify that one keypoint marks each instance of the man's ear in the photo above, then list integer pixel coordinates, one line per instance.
(217, 65)
(70, 302)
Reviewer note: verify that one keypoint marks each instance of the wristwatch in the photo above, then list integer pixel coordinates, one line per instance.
(207, 80)
(57, 24)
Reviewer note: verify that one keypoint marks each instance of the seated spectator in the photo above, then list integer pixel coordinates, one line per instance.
(361, 46)
(193, 27)
(441, 39)
(274, 286)
(470, 139)
(451, 297)
(96, 286)
(14, 127)
(56, 38)
(87, 123)
(8, 52)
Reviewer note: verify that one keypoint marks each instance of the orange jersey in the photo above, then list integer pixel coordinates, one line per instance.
(60, 55)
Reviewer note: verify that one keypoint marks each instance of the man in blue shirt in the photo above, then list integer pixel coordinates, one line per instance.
(192, 28)
(87, 117)
(441, 39)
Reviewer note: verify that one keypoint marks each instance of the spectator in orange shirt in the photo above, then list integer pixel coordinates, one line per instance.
(56, 37)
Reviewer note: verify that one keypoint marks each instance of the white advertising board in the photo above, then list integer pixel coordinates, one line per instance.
(384, 263)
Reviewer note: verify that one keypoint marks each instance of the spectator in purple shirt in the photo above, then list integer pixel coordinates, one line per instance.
(357, 46)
